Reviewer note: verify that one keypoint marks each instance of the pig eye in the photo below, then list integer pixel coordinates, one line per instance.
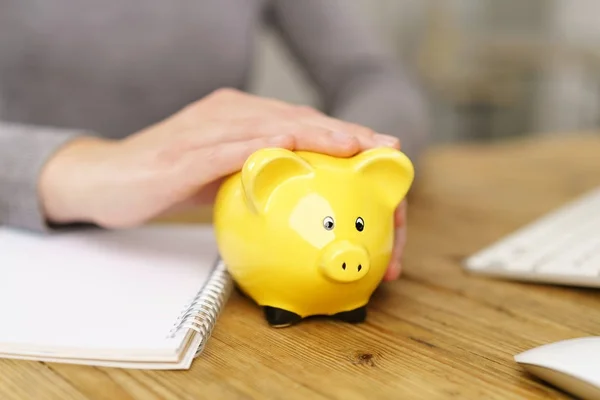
(328, 223)
(360, 224)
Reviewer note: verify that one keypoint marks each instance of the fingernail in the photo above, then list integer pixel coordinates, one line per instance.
(386, 140)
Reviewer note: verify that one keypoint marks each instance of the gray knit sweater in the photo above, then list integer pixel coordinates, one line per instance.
(112, 67)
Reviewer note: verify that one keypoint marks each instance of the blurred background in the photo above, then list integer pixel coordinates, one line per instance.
(492, 68)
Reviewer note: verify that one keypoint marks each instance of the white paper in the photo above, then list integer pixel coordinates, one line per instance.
(98, 293)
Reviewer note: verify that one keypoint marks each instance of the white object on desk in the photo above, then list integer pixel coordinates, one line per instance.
(563, 247)
(110, 298)
(571, 365)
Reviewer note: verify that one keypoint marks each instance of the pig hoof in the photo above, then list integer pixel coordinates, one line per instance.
(279, 318)
(353, 316)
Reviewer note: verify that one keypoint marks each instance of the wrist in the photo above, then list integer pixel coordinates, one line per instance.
(66, 183)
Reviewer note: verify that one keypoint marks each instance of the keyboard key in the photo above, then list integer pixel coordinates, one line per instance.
(564, 244)
(571, 258)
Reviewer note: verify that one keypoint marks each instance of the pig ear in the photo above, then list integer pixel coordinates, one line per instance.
(389, 170)
(265, 170)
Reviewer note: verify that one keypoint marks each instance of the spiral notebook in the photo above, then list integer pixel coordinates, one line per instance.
(143, 298)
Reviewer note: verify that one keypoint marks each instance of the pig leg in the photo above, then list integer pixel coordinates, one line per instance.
(353, 316)
(279, 318)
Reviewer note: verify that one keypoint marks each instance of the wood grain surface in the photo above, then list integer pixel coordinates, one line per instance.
(436, 333)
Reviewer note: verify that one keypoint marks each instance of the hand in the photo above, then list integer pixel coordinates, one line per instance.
(395, 267)
(180, 161)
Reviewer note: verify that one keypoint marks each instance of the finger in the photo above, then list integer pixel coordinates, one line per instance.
(366, 137)
(209, 164)
(400, 214)
(324, 141)
(395, 266)
(306, 137)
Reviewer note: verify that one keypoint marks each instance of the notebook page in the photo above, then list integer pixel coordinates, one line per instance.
(185, 361)
(97, 293)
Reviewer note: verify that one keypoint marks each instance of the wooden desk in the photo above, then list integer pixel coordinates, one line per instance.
(436, 333)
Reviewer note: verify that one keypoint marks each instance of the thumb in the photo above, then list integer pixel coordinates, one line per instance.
(210, 164)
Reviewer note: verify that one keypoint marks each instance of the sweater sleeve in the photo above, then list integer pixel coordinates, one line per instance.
(358, 79)
(24, 150)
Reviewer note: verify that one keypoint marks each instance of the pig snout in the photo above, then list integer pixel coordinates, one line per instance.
(344, 261)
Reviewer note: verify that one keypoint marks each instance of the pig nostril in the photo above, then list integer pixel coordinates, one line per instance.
(344, 266)
(359, 267)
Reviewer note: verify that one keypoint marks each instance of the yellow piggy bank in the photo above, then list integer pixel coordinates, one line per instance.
(306, 234)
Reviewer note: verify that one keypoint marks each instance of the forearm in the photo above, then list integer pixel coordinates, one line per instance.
(24, 152)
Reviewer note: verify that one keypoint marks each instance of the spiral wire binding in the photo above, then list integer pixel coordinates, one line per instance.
(202, 312)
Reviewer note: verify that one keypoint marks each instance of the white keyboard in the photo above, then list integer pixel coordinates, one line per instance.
(562, 247)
